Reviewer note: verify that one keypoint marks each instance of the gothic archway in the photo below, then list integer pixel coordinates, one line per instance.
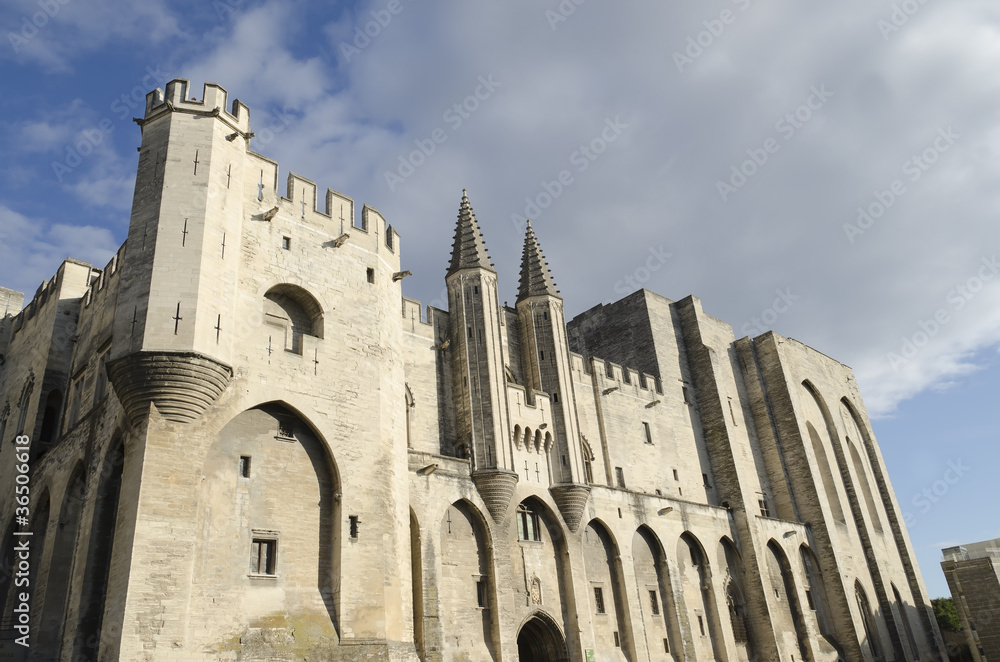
(539, 640)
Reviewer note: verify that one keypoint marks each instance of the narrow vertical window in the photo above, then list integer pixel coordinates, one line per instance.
(263, 556)
(353, 525)
(654, 603)
(620, 477)
(618, 641)
(481, 593)
(371, 275)
(701, 625)
(286, 243)
(244, 466)
(666, 646)
(599, 599)
(647, 432)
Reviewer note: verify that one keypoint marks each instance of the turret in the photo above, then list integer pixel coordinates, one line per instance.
(175, 315)
(477, 348)
(546, 364)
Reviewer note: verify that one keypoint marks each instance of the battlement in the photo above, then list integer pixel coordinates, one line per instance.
(608, 372)
(104, 277)
(423, 322)
(52, 288)
(214, 97)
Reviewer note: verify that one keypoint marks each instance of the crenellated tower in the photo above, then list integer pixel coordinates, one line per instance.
(478, 350)
(172, 332)
(546, 364)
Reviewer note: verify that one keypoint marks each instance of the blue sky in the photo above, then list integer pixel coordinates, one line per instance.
(839, 157)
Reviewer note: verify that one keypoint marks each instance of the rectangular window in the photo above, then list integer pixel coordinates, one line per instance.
(527, 525)
(648, 432)
(555, 397)
(654, 603)
(764, 512)
(263, 554)
(286, 243)
(675, 475)
(353, 522)
(102, 377)
(481, 593)
(618, 641)
(686, 394)
(371, 275)
(286, 430)
(244, 466)
(599, 599)
(620, 477)
(701, 625)
(704, 478)
(666, 646)
(809, 599)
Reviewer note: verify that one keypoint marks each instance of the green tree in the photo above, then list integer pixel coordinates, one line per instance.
(946, 614)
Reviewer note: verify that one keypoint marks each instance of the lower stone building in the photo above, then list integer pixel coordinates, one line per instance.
(243, 443)
(973, 574)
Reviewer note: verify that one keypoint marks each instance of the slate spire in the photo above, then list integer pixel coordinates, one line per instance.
(469, 249)
(536, 279)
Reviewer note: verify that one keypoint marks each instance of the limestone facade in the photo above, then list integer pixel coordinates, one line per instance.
(973, 574)
(245, 444)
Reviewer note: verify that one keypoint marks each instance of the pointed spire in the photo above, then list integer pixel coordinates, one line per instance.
(468, 250)
(536, 279)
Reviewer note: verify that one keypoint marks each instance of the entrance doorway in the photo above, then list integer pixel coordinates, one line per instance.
(540, 641)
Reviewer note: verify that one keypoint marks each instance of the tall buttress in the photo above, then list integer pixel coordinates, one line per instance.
(477, 350)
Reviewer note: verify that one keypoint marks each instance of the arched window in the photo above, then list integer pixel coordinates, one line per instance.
(295, 312)
(528, 524)
(50, 418)
(868, 621)
(22, 415)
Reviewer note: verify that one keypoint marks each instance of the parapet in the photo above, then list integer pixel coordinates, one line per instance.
(175, 98)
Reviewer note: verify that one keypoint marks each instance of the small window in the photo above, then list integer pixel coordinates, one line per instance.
(286, 243)
(475, 289)
(555, 397)
(528, 524)
(675, 475)
(371, 275)
(263, 554)
(286, 430)
(701, 625)
(647, 432)
(704, 478)
(666, 646)
(545, 315)
(764, 512)
(481, 593)
(353, 523)
(654, 603)
(680, 491)
(809, 599)
(244, 466)
(687, 395)
(618, 641)
(620, 477)
(619, 513)
(599, 599)
(541, 355)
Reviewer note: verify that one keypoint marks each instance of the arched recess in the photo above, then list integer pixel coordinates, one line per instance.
(466, 586)
(417, 584)
(815, 591)
(826, 474)
(735, 591)
(699, 617)
(60, 567)
(656, 599)
(270, 525)
(903, 616)
(296, 312)
(103, 525)
(538, 561)
(607, 599)
(866, 491)
(871, 645)
(540, 640)
(39, 530)
(786, 618)
(49, 425)
(410, 403)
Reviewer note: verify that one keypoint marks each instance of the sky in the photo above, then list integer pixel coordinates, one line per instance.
(825, 170)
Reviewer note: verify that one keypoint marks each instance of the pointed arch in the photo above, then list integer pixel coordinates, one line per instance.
(417, 584)
(826, 474)
(789, 616)
(699, 613)
(601, 562)
(866, 490)
(296, 311)
(540, 639)
(903, 616)
(467, 581)
(39, 545)
(734, 588)
(872, 641)
(656, 599)
(815, 590)
(60, 567)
